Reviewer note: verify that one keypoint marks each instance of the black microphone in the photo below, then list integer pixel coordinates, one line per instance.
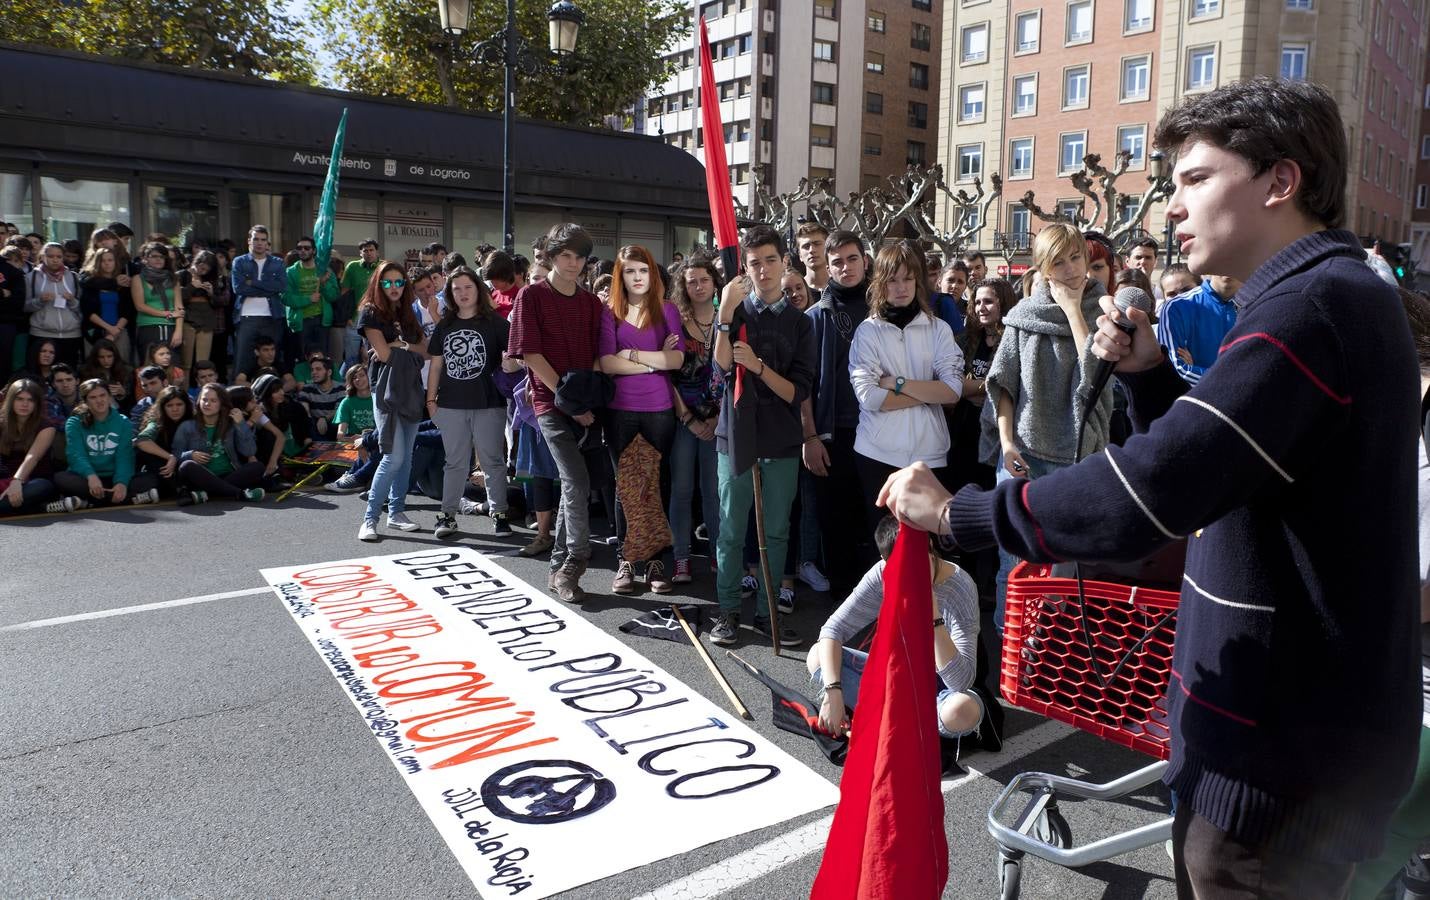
(1129, 297)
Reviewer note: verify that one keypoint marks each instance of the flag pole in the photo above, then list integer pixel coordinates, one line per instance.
(770, 595)
(740, 708)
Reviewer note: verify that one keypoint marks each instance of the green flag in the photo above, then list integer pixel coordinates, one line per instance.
(328, 207)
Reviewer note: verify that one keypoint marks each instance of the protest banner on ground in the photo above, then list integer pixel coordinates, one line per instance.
(547, 753)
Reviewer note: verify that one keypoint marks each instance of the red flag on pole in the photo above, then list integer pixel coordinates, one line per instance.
(887, 840)
(717, 172)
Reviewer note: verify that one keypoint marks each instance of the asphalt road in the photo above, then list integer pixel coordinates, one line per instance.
(205, 750)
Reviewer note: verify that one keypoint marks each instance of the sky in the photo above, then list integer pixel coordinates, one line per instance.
(322, 58)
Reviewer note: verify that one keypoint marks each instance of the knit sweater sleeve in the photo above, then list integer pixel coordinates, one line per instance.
(1246, 429)
(1005, 370)
(958, 604)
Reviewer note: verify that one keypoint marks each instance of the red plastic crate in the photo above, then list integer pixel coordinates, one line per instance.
(1046, 668)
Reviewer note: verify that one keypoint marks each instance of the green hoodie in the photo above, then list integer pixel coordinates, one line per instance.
(298, 298)
(105, 448)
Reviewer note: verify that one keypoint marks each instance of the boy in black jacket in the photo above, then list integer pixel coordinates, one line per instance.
(1291, 469)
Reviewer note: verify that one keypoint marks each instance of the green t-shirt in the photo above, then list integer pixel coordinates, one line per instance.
(356, 277)
(219, 463)
(356, 413)
(307, 285)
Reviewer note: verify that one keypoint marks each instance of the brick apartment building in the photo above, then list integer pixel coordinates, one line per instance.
(1028, 88)
(1420, 202)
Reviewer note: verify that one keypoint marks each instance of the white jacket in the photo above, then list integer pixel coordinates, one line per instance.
(924, 351)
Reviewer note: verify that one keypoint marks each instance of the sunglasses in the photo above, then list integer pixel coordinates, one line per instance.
(303, 248)
(393, 282)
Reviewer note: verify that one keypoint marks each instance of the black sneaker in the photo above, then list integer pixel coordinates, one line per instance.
(726, 630)
(789, 638)
(501, 525)
(785, 603)
(446, 526)
(748, 587)
(192, 498)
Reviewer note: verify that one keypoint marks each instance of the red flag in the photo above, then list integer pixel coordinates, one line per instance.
(887, 840)
(717, 172)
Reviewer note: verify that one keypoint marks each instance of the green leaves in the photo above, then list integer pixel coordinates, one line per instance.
(245, 38)
(396, 48)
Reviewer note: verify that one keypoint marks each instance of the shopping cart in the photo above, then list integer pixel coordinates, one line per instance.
(1100, 666)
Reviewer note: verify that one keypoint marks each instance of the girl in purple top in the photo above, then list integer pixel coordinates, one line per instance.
(640, 344)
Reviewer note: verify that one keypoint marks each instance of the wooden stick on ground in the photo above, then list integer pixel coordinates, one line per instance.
(714, 669)
(770, 596)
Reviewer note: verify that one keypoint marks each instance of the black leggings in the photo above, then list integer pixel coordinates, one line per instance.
(73, 484)
(196, 476)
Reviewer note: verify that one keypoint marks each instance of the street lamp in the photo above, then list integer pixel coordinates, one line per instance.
(510, 49)
(1159, 177)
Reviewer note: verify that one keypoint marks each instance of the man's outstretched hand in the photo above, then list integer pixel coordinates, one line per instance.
(916, 497)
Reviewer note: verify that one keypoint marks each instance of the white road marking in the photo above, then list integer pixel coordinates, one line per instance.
(126, 610)
(758, 861)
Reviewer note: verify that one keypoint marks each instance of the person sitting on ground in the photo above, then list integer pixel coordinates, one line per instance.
(287, 416)
(152, 380)
(215, 449)
(955, 642)
(63, 395)
(241, 398)
(153, 445)
(354, 421)
(105, 364)
(265, 352)
(99, 447)
(162, 355)
(321, 397)
(26, 435)
(205, 372)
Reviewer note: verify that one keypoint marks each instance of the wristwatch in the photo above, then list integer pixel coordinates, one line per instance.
(723, 327)
(899, 385)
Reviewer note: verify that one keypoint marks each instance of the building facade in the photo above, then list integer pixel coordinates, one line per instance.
(839, 89)
(1420, 201)
(1029, 88)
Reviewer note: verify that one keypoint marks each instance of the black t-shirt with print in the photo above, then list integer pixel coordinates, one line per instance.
(471, 352)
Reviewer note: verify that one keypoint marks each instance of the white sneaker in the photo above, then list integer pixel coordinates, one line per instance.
(809, 573)
(472, 508)
(368, 532)
(149, 496)
(401, 522)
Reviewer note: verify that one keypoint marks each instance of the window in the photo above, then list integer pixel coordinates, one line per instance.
(919, 76)
(1379, 165)
(1355, 75)
(917, 153)
(1028, 28)
(923, 5)
(1136, 74)
(1137, 16)
(1072, 148)
(874, 103)
(1079, 22)
(970, 162)
(873, 144)
(1075, 87)
(873, 62)
(1020, 222)
(820, 173)
(875, 22)
(1422, 196)
(970, 102)
(1020, 158)
(746, 44)
(192, 212)
(73, 207)
(1126, 209)
(919, 114)
(727, 90)
(821, 136)
(1425, 147)
(1025, 95)
(710, 11)
(1070, 209)
(973, 44)
(737, 131)
(1133, 139)
(1293, 61)
(1201, 68)
(824, 50)
(1202, 8)
(1365, 159)
(824, 9)
(1395, 110)
(1298, 4)
(920, 37)
(822, 93)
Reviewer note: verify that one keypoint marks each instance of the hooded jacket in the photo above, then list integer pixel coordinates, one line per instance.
(397, 393)
(1048, 378)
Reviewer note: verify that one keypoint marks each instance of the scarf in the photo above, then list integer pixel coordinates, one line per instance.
(901, 315)
(162, 283)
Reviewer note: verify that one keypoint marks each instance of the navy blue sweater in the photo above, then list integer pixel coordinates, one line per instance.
(1291, 465)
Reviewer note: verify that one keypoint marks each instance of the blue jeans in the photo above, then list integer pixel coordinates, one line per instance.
(33, 494)
(851, 672)
(1006, 561)
(693, 461)
(394, 472)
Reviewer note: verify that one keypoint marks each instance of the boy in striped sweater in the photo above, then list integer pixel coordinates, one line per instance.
(1290, 468)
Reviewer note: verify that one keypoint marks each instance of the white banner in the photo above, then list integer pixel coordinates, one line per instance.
(547, 753)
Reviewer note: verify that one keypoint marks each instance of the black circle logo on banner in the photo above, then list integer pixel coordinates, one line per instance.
(545, 791)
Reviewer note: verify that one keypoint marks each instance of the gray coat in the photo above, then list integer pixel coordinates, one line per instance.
(1048, 378)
